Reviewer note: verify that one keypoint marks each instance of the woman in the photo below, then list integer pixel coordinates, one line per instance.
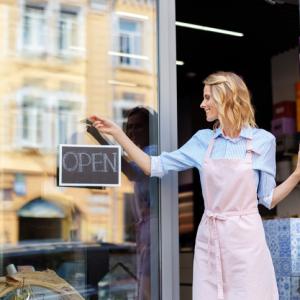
(236, 162)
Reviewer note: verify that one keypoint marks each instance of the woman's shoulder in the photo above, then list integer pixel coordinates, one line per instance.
(197, 144)
(200, 139)
(262, 140)
(204, 134)
(262, 134)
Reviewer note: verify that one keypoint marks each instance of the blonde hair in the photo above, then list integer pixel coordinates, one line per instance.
(233, 100)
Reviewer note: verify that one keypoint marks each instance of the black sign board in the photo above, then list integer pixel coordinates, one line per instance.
(89, 165)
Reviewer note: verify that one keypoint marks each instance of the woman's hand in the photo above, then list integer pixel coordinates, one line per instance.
(105, 126)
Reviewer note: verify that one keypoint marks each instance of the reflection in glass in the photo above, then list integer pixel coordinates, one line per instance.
(61, 62)
(130, 41)
(138, 130)
(34, 27)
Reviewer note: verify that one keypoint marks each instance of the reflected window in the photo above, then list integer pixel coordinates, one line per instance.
(20, 184)
(31, 131)
(44, 120)
(7, 194)
(69, 34)
(130, 42)
(67, 120)
(34, 28)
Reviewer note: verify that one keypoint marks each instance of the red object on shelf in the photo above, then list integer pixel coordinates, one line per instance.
(283, 126)
(284, 109)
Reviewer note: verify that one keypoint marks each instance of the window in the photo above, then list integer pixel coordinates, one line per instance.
(20, 184)
(130, 42)
(68, 37)
(40, 36)
(74, 69)
(34, 28)
(67, 122)
(44, 122)
(7, 194)
(31, 121)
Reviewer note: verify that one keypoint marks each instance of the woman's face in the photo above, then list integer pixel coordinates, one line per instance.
(137, 129)
(209, 105)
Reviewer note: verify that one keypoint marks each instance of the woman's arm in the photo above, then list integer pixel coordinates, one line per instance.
(282, 190)
(106, 126)
(141, 158)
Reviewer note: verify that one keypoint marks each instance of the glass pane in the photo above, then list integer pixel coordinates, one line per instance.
(61, 63)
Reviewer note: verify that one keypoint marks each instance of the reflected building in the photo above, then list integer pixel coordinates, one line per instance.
(60, 62)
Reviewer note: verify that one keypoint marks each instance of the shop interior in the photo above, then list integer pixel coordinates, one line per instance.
(266, 56)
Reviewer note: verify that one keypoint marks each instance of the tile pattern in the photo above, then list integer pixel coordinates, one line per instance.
(283, 239)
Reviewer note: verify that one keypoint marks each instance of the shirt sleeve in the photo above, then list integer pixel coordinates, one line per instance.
(188, 156)
(267, 174)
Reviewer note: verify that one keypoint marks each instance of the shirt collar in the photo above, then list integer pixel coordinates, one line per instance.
(246, 133)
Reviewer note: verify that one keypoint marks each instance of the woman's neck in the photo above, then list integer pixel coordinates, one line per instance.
(228, 131)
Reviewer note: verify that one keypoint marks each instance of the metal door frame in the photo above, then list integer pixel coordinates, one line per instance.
(169, 233)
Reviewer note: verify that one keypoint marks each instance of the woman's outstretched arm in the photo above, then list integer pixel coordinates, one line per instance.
(134, 153)
(283, 190)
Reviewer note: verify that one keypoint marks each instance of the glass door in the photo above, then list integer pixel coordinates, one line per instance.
(62, 62)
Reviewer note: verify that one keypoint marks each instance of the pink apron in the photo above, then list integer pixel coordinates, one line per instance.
(231, 260)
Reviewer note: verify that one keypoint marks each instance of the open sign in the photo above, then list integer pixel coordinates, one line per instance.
(89, 165)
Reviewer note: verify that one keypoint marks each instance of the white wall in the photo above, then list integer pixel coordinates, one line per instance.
(285, 73)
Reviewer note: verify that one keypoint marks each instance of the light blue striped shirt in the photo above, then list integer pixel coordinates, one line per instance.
(191, 154)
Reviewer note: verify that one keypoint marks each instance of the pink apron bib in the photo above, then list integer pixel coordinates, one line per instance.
(231, 260)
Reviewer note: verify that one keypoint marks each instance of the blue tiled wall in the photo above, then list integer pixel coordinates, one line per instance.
(283, 239)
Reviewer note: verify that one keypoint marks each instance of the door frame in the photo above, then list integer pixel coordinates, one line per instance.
(167, 81)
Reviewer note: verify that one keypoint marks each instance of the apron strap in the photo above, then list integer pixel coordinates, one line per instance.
(209, 148)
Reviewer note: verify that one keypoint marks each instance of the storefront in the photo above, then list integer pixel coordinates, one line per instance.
(62, 61)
